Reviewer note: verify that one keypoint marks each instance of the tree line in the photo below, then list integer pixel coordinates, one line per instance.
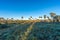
(46, 19)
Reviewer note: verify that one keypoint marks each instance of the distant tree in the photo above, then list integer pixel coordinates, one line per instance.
(1, 18)
(12, 18)
(7, 18)
(31, 17)
(48, 17)
(22, 17)
(44, 16)
(40, 17)
(52, 14)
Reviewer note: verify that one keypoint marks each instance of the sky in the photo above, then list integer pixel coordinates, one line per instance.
(35, 8)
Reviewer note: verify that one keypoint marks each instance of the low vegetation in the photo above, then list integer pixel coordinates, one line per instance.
(30, 31)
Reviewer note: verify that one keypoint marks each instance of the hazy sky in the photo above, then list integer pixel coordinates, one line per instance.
(26, 8)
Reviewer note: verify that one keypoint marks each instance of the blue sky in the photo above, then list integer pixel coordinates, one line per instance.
(26, 8)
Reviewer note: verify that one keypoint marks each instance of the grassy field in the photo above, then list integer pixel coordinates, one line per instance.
(30, 31)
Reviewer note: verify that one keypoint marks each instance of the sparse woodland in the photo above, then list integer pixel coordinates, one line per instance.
(53, 18)
(47, 29)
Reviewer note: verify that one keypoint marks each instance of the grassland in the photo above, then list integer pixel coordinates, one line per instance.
(30, 30)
